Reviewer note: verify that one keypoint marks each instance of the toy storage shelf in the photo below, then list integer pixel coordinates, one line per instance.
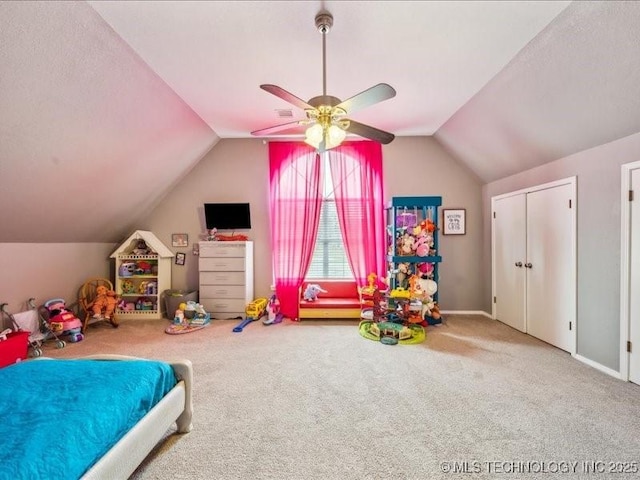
(403, 215)
(141, 278)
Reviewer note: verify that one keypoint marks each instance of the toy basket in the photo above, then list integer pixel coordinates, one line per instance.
(14, 348)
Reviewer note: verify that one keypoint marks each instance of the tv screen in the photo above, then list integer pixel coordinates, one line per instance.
(227, 216)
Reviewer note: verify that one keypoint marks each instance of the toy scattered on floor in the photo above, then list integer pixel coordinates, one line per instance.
(33, 322)
(312, 291)
(384, 331)
(105, 303)
(255, 310)
(273, 311)
(62, 321)
(192, 313)
(189, 317)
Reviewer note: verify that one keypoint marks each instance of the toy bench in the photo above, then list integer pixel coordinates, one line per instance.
(342, 300)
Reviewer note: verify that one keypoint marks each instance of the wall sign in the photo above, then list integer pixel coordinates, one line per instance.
(454, 221)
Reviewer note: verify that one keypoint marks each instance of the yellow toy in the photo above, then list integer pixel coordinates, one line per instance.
(105, 303)
(257, 308)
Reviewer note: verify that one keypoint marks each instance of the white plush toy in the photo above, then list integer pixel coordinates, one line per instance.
(312, 291)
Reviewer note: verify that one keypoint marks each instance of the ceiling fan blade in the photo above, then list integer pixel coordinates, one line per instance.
(283, 94)
(369, 132)
(370, 96)
(286, 128)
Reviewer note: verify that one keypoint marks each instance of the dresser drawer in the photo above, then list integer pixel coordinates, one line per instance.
(221, 264)
(223, 305)
(222, 249)
(222, 278)
(222, 291)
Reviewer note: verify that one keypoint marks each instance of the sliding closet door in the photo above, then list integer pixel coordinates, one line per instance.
(509, 258)
(550, 266)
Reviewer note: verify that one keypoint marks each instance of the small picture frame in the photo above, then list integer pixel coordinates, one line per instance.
(180, 240)
(181, 258)
(454, 221)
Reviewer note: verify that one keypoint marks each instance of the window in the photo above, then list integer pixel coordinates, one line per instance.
(329, 260)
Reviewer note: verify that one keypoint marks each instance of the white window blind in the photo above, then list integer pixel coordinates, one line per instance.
(329, 260)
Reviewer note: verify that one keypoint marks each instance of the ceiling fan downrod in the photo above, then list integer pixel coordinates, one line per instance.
(324, 22)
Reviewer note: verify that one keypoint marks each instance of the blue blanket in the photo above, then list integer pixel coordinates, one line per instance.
(58, 417)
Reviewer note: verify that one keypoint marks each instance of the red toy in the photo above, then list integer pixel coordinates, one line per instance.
(62, 321)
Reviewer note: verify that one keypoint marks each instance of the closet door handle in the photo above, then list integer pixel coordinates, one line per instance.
(518, 264)
(528, 265)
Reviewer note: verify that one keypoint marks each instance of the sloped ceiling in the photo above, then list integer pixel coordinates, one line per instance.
(105, 105)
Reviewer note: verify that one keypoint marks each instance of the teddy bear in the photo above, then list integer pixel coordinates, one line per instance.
(105, 303)
(405, 244)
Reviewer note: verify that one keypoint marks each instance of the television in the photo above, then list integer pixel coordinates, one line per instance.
(227, 216)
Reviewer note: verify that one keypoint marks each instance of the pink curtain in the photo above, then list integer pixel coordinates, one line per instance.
(356, 171)
(295, 199)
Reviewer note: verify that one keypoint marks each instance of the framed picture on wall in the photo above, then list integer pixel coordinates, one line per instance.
(179, 240)
(454, 221)
(181, 258)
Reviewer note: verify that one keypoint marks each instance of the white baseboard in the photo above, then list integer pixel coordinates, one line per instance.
(465, 312)
(598, 366)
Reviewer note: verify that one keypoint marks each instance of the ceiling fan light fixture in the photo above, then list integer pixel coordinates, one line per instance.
(324, 136)
(314, 135)
(335, 136)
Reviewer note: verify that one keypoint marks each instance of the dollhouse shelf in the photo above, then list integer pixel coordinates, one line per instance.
(141, 278)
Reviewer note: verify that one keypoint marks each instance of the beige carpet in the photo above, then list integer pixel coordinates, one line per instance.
(315, 400)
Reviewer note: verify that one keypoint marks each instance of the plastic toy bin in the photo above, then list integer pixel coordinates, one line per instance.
(173, 299)
(14, 348)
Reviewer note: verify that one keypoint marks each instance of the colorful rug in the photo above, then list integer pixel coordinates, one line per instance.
(418, 333)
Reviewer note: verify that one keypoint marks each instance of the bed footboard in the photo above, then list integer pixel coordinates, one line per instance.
(126, 455)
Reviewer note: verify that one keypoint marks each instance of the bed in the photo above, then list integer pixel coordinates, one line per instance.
(93, 417)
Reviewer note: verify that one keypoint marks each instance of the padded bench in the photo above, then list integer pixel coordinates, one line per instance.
(342, 300)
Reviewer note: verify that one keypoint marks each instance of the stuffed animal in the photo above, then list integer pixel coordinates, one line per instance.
(402, 275)
(312, 291)
(105, 303)
(406, 243)
(425, 270)
(141, 248)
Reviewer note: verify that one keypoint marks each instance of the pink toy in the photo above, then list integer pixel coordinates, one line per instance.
(62, 321)
(273, 311)
(425, 269)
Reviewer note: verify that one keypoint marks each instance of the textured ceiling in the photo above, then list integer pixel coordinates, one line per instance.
(437, 55)
(105, 97)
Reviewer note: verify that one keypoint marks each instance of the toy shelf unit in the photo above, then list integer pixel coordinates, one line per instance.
(143, 271)
(412, 240)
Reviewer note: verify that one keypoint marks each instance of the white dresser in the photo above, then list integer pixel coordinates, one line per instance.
(226, 278)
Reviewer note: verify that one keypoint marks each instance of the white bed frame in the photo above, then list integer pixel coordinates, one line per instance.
(126, 455)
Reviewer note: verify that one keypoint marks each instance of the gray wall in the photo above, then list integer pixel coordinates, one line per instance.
(598, 172)
(238, 170)
(49, 270)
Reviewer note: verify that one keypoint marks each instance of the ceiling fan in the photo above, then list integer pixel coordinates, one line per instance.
(327, 125)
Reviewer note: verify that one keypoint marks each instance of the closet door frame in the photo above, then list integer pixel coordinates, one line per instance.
(625, 267)
(572, 181)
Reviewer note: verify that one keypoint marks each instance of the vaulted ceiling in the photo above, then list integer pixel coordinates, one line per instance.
(143, 89)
